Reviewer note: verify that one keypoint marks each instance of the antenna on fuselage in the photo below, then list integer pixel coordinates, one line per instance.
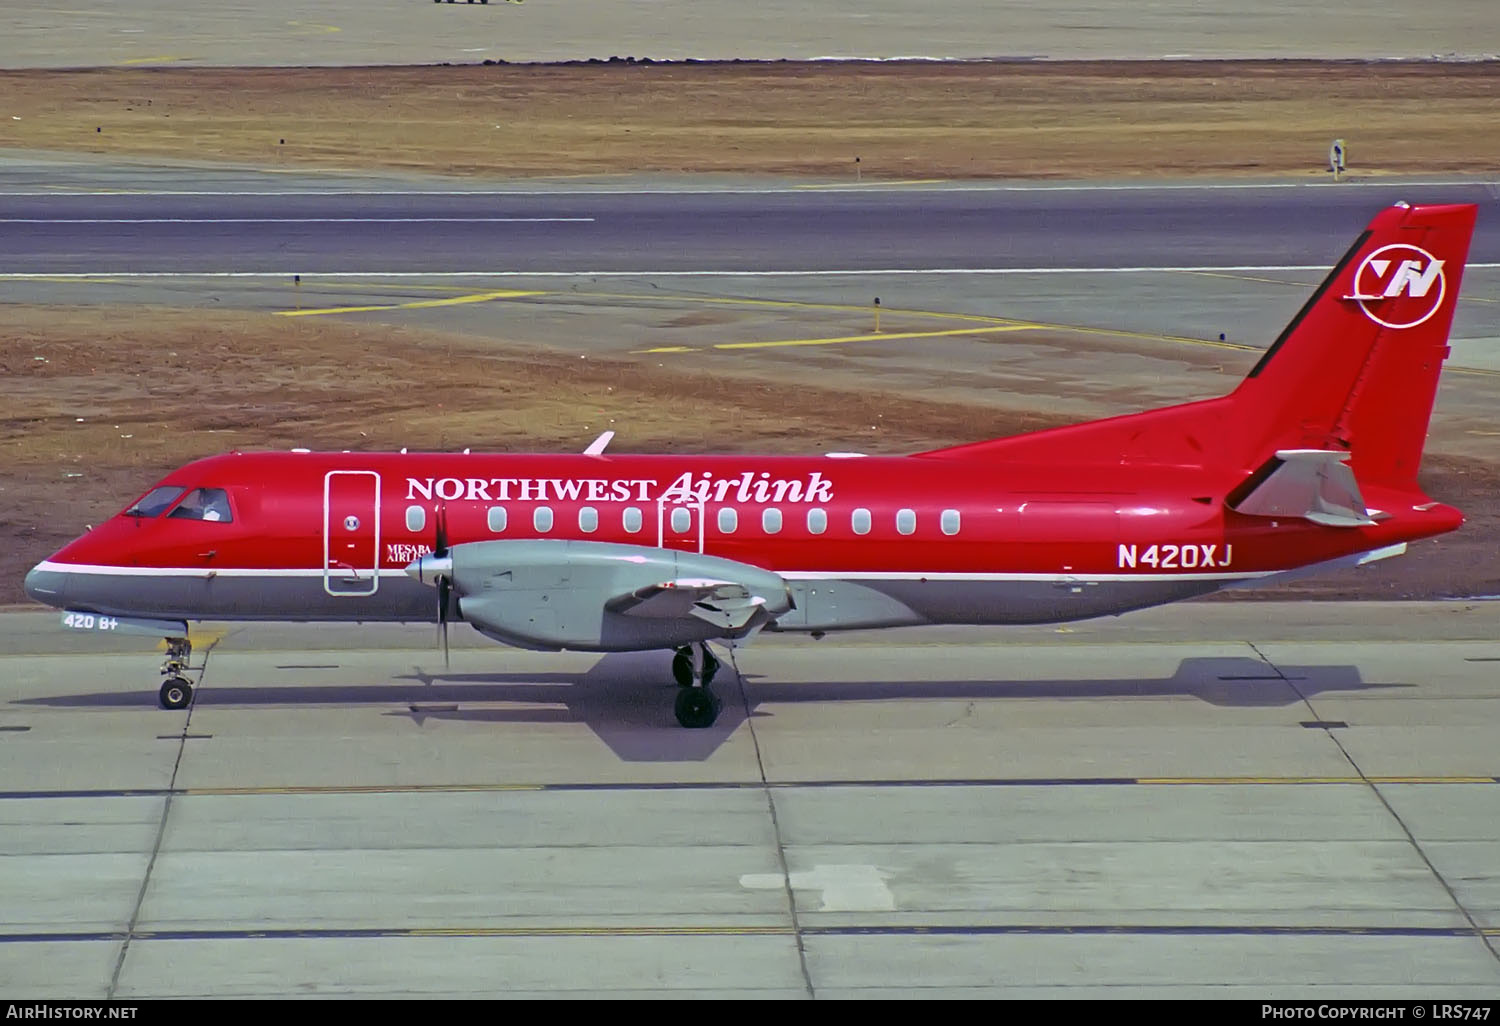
(597, 446)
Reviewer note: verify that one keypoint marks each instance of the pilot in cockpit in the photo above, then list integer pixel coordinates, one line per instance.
(204, 504)
(215, 505)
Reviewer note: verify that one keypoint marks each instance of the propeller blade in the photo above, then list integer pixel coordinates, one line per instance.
(443, 589)
(442, 580)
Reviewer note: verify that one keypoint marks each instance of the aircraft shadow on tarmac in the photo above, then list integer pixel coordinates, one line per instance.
(626, 699)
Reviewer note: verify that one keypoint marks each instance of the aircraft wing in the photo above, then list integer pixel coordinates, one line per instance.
(1315, 484)
(604, 596)
(727, 604)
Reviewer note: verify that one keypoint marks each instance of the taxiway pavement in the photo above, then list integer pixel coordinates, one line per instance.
(1214, 799)
(641, 227)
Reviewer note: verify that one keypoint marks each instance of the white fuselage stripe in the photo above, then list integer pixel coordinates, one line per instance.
(925, 575)
(791, 575)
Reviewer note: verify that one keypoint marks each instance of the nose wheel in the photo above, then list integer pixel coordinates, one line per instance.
(176, 691)
(693, 667)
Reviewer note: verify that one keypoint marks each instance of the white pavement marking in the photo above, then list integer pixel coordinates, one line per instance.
(856, 888)
(292, 220)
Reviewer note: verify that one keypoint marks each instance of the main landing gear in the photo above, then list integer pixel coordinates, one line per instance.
(176, 690)
(693, 667)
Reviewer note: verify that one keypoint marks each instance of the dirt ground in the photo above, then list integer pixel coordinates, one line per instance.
(99, 402)
(912, 120)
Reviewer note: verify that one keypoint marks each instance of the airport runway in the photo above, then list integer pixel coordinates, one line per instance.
(645, 228)
(1216, 800)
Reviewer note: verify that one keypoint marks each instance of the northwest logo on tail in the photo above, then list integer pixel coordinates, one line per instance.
(1399, 270)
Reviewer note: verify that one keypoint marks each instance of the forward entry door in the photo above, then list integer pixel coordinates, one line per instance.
(351, 532)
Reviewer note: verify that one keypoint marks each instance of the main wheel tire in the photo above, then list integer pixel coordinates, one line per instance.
(175, 693)
(696, 708)
(682, 668)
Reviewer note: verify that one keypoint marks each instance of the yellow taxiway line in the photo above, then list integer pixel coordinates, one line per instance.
(884, 336)
(793, 304)
(419, 304)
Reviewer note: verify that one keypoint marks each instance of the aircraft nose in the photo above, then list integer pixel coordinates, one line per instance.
(45, 586)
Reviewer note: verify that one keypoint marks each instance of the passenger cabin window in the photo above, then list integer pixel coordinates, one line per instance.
(632, 520)
(496, 519)
(203, 504)
(682, 520)
(588, 519)
(770, 521)
(729, 520)
(542, 519)
(950, 521)
(817, 521)
(416, 518)
(154, 502)
(860, 521)
(906, 520)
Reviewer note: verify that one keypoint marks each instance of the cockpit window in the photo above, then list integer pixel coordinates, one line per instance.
(153, 502)
(203, 504)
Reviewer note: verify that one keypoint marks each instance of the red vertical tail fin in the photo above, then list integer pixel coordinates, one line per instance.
(1357, 368)
(1355, 372)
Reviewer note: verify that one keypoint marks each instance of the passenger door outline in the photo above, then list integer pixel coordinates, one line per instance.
(351, 532)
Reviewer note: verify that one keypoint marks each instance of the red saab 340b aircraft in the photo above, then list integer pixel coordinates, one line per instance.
(1311, 462)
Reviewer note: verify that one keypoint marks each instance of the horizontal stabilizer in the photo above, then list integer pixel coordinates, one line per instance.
(1315, 484)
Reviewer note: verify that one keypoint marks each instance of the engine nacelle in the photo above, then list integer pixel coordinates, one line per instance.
(554, 594)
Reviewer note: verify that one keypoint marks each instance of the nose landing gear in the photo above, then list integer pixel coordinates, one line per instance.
(176, 690)
(693, 667)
